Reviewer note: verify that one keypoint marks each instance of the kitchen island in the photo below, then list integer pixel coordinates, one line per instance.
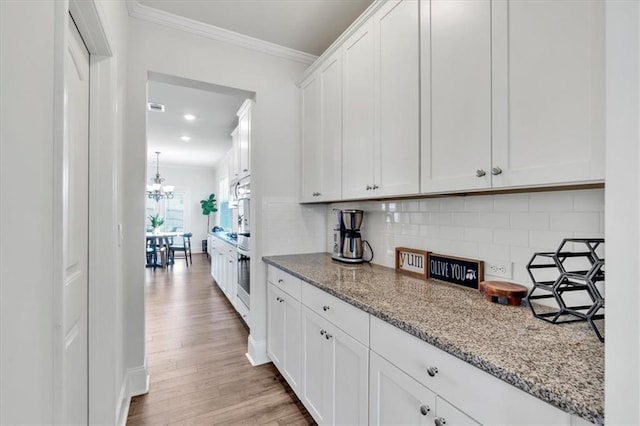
(562, 365)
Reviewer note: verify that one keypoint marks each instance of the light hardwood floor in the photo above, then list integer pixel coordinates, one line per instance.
(195, 347)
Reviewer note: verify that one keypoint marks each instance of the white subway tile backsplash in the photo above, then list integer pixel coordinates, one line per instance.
(494, 220)
(479, 235)
(501, 227)
(452, 204)
(452, 233)
(478, 203)
(511, 203)
(511, 237)
(494, 252)
(465, 219)
(531, 221)
(418, 218)
(464, 248)
(551, 202)
(575, 221)
(430, 205)
(440, 219)
(589, 200)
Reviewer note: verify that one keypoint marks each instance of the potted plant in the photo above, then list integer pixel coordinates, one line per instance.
(209, 206)
(156, 222)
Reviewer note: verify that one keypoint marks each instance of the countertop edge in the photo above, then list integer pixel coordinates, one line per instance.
(545, 395)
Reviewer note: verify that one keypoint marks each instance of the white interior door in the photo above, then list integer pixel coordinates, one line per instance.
(75, 232)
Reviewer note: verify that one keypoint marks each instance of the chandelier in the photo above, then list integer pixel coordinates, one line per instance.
(157, 191)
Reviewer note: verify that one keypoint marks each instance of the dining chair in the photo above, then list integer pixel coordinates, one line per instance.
(185, 248)
(152, 253)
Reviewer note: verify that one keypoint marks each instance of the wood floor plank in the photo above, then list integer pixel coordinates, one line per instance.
(199, 374)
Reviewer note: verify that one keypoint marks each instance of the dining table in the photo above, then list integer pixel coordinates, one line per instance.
(161, 241)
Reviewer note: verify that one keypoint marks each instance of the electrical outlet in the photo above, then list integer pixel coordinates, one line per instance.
(498, 269)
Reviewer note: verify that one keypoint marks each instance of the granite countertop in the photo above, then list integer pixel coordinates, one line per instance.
(224, 236)
(560, 364)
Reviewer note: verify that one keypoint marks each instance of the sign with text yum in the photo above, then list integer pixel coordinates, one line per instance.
(412, 262)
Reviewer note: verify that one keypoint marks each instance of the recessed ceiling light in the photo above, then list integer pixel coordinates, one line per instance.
(189, 117)
(185, 138)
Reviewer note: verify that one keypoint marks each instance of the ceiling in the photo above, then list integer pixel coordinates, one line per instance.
(306, 25)
(210, 132)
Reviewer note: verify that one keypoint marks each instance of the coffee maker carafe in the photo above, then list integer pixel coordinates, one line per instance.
(347, 241)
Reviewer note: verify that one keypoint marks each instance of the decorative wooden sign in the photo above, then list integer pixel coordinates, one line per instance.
(457, 270)
(412, 262)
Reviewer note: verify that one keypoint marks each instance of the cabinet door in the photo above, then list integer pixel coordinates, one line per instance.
(450, 415)
(358, 114)
(331, 129)
(292, 370)
(350, 378)
(311, 146)
(275, 326)
(317, 364)
(397, 104)
(396, 398)
(548, 92)
(456, 95)
(234, 158)
(244, 138)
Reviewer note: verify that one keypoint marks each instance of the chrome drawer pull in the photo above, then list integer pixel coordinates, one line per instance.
(326, 308)
(432, 371)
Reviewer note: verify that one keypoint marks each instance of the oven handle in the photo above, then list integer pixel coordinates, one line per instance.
(244, 252)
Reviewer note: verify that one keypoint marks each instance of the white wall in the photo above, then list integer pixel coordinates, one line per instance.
(26, 203)
(199, 182)
(274, 152)
(32, 43)
(622, 349)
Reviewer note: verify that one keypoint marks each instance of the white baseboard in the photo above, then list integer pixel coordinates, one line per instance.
(138, 380)
(136, 383)
(124, 401)
(257, 353)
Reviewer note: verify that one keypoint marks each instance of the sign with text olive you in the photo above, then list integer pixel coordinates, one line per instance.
(457, 270)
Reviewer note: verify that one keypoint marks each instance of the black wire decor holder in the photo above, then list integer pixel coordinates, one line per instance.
(557, 274)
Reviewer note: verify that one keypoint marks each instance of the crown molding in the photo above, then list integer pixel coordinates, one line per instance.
(149, 14)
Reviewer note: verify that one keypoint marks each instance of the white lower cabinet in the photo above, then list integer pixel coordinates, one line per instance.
(224, 267)
(284, 335)
(397, 399)
(351, 368)
(335, 373)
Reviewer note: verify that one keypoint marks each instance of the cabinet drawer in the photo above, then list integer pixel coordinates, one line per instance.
(347, 317)
(284, 281)
(482, 396)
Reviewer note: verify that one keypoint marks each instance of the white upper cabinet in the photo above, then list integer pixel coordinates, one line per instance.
(233, 157)
(381, 104)
(548, 92)
(322, 132)
(358, 114)
(456, 95)
(244, 139)
(397, 79)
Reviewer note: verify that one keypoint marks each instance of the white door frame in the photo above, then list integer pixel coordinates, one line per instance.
(102, 209)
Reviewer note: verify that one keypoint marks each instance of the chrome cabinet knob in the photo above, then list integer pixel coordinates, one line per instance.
(281, 300)
(432, 371)
(327, 336)
(424, 409)
(326, 308)
(496, 171)
(375, 187)
(322, 332)
(480, 173)
(280, 280)
(369, 187)
(440, 421)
